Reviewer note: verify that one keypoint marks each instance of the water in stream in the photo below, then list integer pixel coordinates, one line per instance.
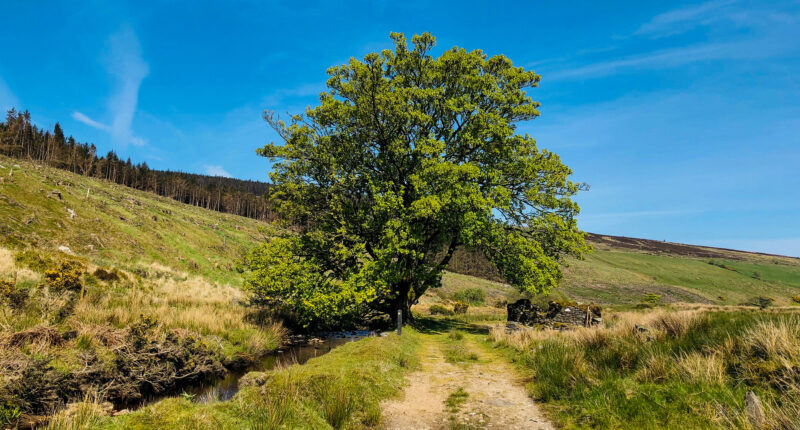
(226, 387)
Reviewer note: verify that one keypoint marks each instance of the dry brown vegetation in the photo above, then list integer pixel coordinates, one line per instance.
(666, 368)
(137, 333)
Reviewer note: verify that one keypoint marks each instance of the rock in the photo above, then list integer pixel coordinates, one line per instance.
(71, 213)
(754, 410)
(562, 315)
(254, 379)
(55, 193)
(499, 402)
(65, 249)
(121, 412)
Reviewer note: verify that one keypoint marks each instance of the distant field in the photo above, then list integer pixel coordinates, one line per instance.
(622, 270)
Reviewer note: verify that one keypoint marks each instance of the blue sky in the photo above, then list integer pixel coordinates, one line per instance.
(683, 117)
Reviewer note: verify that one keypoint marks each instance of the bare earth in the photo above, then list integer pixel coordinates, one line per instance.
(496, 396)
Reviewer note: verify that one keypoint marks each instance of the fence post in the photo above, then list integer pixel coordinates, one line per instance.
(399, 322)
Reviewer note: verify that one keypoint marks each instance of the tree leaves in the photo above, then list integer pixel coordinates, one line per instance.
(408, 156)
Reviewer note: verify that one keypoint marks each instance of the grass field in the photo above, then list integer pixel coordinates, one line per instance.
(665, 369)
(146, 297)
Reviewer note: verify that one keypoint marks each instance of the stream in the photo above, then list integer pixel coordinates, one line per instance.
(226, 387)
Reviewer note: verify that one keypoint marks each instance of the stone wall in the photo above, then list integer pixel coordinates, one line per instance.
(557, 314)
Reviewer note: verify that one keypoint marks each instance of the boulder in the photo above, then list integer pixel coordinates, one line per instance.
(557, 314)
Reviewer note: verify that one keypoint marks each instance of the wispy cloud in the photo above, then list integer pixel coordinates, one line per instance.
(124, 62)
(680, 20)
(639, 214)
(217, 171)
(88, 121)
(665, 58)
(770, 33)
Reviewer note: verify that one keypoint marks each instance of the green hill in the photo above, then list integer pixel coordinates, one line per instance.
(117, 224)
(97, 278)
(622, 270)
(133, 295)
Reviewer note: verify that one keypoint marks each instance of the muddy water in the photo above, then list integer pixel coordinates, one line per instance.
(226, 387)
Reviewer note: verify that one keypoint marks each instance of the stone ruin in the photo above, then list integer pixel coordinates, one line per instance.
(558, 315)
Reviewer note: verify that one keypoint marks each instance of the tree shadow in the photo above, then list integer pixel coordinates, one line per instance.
(431, 325)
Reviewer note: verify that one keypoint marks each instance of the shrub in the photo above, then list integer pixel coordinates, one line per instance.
(33, 260)
(107, 275)
(66, 277)
(651, 299)
(14, 297)
(760, 301)
(440, 310)
(796, 298)
(472, 296)
(9, 414)
(460, 308)
(455, 335)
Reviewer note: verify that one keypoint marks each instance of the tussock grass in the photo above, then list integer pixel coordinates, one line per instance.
(664, 369)
(341, 389)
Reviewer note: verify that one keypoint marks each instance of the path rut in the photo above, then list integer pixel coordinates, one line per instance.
(496, 398)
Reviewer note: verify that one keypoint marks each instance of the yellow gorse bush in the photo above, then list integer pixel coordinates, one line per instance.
(67, 276)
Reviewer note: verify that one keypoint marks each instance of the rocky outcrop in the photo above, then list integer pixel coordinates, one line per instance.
(557, 314)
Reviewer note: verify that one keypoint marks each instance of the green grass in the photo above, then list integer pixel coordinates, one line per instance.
(456, 349)
(341, 389)
(117, 225)
(624, 277)
(175, 264)
(693, 377)
(456, 399)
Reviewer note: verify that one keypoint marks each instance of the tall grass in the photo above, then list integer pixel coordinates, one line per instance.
(341, 389)
(665, 369)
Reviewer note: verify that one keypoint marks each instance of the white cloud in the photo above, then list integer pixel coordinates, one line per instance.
(123, 61)
(684, 19)
(769, 34)
(639, 214)
(217, 171)
(78, 116)
(672, 57)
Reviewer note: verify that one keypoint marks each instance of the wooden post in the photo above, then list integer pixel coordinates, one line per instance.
(399, 322)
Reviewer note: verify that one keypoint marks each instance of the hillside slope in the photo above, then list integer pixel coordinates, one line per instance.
(117, 224)
(622, 270)
(133, 296)
(130, 228)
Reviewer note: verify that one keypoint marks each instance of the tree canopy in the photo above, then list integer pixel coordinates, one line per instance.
(406, 158)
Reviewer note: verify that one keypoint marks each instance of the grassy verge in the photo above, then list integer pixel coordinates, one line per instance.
(665, 369)
(341, 389)
(68, 331)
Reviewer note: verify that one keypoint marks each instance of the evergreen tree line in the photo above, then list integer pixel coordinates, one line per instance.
(21, 139)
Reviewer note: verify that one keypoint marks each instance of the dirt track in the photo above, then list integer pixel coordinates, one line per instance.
(496, 398)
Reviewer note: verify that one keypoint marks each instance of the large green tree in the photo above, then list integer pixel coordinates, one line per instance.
(406, 158)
